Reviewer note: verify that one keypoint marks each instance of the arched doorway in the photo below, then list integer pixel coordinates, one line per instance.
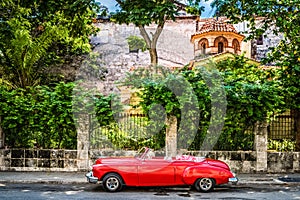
(220, 47)
(221, 43)
(203, 49)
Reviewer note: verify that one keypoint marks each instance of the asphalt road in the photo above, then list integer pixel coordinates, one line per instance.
(90, 191)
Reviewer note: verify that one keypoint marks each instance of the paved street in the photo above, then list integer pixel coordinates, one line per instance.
(73, 185)
(88, 191)
(79, 178)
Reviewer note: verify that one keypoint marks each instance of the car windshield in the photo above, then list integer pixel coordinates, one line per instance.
(141, 153)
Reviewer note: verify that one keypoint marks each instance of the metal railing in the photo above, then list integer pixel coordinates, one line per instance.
(282, 127)
(127, 130)
(131, 130)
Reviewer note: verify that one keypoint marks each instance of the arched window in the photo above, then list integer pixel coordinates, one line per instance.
(220, 47)
(203, 45)
(236, 46)
(221, 43)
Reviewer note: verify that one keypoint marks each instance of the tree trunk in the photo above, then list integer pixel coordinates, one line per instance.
(296, 114)
(151, 42)
(2, 136)
(153, 56)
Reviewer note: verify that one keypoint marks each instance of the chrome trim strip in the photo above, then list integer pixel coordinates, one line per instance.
(91, 178)
(233, 180)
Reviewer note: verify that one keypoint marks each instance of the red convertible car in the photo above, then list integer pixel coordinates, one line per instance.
(146, 170)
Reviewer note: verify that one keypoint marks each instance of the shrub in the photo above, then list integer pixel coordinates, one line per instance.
(281, 145)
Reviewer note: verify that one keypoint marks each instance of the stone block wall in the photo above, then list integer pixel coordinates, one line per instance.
(95, 154)
(281, 162)
(238, 161)
(67, 160)
(38, 160)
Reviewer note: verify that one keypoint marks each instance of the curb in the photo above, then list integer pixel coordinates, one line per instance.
(44, 181)
(58, 182)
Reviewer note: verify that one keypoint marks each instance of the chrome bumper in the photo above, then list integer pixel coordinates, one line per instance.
(233, 180)
(91, 178)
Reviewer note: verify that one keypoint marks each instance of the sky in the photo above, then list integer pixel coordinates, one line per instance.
(110, 4)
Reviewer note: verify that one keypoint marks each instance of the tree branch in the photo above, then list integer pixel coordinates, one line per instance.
(145, 36)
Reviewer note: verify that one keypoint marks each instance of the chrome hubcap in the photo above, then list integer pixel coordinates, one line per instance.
(205, 183)
(112, 183)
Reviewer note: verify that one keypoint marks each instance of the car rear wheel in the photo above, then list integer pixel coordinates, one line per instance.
(205, 184)
(112, 182)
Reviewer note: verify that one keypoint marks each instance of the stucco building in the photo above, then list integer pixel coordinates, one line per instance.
(215, 37)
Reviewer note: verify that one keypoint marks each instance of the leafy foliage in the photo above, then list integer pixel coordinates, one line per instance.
(281, 145)
(42, 116)
(129, 139)
(280, 17)
(35, 35)
(251, 96)
(136, 43)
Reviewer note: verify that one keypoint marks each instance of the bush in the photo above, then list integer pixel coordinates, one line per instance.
(38, 117)
(136, 43)
(281, 145)
(42, 116)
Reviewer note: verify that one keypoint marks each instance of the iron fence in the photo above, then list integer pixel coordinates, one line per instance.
(127, 130)
(130, 130)
(282, 127)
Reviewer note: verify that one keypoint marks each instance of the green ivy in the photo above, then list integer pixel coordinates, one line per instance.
(42, 116)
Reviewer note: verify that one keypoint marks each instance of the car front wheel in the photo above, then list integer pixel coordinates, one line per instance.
(112, 182)
(205, 184)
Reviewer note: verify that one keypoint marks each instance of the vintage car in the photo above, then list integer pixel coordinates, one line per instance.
(146, 170)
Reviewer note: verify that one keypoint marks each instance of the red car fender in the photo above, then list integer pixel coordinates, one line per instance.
(191, 174)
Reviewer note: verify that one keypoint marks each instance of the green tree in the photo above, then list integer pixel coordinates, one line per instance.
(253, 94)
(142, 13)
(192, 96)
(282, 17)
(36, 35)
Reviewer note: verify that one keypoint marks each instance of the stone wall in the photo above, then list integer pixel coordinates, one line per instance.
(262, 46)
(282, 162)
(239, 161)
(174, 49)
(66, 160)
(38, 160)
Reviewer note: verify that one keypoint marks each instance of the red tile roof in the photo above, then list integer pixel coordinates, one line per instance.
(216, 25)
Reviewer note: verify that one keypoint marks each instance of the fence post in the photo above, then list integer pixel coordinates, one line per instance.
(83, 125)
(261, 146)
(171, 136)
(296, 116)
(2, 136)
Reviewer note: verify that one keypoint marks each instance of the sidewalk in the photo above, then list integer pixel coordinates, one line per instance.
(79, 178)
(43, 177)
